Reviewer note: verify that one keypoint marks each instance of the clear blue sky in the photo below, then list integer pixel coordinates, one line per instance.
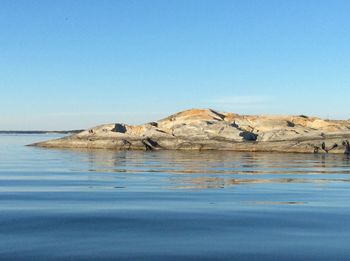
(75, 64)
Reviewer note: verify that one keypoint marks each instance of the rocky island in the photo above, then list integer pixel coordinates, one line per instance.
(206, 129)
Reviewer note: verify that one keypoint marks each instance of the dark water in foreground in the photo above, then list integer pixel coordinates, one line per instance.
(63, 204)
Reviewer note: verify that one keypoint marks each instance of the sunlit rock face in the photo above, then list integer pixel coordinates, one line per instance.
(206, 129)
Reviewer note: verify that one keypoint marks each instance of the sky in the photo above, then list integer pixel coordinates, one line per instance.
(75, 64)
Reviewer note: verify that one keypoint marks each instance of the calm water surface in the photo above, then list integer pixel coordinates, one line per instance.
(71, 204)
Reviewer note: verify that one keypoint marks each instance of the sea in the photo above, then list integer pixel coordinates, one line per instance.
(70, 204)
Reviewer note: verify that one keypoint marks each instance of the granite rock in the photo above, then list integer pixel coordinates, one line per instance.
(206, 129)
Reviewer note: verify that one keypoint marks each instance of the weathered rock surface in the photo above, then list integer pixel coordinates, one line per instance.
(206, 129)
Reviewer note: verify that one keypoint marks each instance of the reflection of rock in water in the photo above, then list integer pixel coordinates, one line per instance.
(211, 183)
(214, 169)
(207, 182)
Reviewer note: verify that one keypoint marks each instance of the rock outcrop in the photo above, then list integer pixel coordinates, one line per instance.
(206, 129)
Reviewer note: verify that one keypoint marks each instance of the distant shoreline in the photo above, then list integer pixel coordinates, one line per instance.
(39, 132)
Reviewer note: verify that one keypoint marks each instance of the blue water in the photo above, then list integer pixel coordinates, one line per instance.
(109, 205)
